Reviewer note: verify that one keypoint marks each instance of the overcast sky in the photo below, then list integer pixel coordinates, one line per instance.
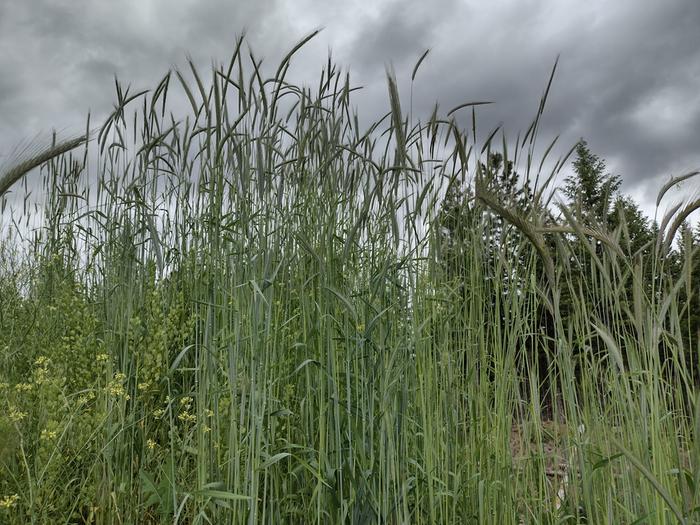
(628, 79)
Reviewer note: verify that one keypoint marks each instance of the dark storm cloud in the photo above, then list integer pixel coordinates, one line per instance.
(395, 33)
(59, 58)
(628, 79)
(638, 88)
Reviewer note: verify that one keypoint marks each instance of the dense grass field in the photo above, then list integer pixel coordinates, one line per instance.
(263, 312)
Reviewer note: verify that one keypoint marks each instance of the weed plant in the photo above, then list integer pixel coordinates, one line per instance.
(245, 316)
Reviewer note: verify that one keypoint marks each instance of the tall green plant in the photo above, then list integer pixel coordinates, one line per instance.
(250, 319)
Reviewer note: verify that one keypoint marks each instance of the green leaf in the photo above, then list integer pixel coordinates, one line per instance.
(222, 494)
(274, 459)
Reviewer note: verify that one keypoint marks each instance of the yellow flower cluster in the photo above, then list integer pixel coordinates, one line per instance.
(84, 399)
(16, 415)
(116, 388)
(184, 415)
(8, 502)
(41, 371)
(48, 435)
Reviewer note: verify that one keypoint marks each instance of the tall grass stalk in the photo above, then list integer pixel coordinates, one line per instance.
(243, 316)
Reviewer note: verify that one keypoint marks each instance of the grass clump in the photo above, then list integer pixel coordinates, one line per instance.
(263, 312)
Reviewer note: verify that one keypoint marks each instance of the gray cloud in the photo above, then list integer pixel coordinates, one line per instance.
(394, 34)
(628, 78)
(64, 55)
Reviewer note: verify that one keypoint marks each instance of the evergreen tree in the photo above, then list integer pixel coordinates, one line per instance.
(477, 246)
(590, 190)
(637, 234)
(686, 265)
(461, 217)
(454, 224)
(503, 182)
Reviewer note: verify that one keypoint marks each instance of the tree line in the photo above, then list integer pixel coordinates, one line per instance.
(590, 211)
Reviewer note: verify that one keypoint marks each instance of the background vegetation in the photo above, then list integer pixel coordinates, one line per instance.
(263, 312)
